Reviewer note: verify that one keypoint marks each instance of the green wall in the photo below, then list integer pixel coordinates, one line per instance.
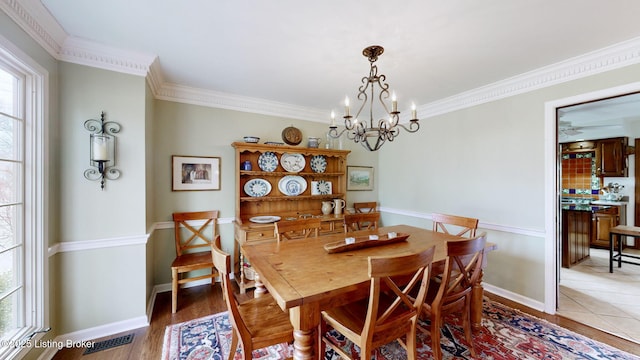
(487, 162)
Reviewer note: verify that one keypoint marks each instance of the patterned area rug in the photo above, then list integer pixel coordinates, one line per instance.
(506, 334)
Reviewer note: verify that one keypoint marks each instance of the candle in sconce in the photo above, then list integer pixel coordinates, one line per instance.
(346, 106)
(414, 114)
(394, 102)
(333, 118)
(100, 149)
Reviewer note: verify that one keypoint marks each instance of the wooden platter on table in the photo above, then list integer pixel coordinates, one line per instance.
(362, 242)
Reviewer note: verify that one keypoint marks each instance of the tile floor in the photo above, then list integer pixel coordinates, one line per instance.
(593, 296)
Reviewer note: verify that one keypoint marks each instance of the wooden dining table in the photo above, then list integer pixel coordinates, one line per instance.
(304, 278)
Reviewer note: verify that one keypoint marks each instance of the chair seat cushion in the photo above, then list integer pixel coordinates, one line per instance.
(198, 259)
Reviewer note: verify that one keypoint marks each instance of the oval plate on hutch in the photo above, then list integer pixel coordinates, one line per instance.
(292, 162)
(264, 219)
(292, 185)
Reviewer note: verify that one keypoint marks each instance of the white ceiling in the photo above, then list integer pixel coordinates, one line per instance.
(308, 54)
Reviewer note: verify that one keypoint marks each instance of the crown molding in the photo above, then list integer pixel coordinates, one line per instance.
(33, 18)
(83, 52)
(37, 22)
(609, 58)
(217, 99)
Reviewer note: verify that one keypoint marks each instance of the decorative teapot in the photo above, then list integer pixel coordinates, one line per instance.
(327, 207)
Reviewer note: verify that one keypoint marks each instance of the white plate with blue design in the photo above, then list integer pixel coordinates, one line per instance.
(268, 161)
(320, 187)
(292, 185)
(318, 163)
(257, 187)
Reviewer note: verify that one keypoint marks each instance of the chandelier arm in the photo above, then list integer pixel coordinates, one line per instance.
(413, 126)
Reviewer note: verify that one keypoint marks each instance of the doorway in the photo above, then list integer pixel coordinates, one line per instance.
(555, 291)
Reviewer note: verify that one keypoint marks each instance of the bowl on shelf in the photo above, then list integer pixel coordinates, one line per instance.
(251, 139)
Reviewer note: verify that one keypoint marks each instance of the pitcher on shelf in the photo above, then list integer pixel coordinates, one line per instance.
(327, 207)
(338, 206)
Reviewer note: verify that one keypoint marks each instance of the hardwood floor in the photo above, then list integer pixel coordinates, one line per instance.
(205, 300)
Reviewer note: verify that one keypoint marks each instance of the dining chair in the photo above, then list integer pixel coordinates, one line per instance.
(365, 207)
(388, 313)
(464, 225)
(452, 291)
(297, 229)
(194, 233)
(258, 322)
(365, 221)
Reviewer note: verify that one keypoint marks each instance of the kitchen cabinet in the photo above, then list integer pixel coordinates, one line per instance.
(602, 221)
(265, 170)
(576, 235)
(611, 157)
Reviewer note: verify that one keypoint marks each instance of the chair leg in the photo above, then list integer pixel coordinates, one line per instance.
(234, 345)
(467, 325)
(411, 344)
(435, 338)
(174, 290)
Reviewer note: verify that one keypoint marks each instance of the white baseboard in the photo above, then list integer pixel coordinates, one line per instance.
(534, 304)
(95, 333)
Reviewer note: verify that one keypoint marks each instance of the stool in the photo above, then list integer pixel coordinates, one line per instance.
(620, 231)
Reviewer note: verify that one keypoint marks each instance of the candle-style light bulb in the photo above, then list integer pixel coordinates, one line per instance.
(394, 102)
(333, 118)
(346, 106)
(413, 111)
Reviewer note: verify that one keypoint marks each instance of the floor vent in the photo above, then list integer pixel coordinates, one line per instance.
(108, 344)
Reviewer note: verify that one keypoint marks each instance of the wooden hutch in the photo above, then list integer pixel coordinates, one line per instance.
(332, 168)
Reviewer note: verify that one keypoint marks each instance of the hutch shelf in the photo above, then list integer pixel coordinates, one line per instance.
(330, 166)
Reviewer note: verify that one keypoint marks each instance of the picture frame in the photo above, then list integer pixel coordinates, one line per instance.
(359, 178)
(195, 173)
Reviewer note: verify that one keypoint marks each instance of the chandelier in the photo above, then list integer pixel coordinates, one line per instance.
(387, 128)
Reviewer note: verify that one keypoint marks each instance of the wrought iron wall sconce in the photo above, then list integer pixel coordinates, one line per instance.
(102, 150)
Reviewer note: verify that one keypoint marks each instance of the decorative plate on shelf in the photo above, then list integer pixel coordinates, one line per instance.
(292, 162)
(257, 187)
(318, 163)
(268, 161)
(264, 219)
(292, 185)
(320, 187)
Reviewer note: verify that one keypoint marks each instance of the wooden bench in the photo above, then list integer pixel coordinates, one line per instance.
(620, 231)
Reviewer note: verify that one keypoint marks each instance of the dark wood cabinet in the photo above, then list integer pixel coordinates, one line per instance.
(576, 236)
(611, 157)
(602, 221)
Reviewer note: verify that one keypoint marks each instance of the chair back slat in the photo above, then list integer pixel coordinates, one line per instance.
(188, 236)
(391, 304)
(297, 229)
(364, 221)
(222, 262)
(365, 207)
(455, 225)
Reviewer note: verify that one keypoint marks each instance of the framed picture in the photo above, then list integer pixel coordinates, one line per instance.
(359, 177)
(195, 173)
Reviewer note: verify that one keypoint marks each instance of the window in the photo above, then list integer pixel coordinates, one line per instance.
(22, 242)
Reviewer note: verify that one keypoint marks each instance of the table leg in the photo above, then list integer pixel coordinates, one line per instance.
(305, 320)
(611, 242)
(620, 237)
(260, 288)
(477, 294)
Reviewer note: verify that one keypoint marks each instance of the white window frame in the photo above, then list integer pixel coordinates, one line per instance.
(35, 310)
